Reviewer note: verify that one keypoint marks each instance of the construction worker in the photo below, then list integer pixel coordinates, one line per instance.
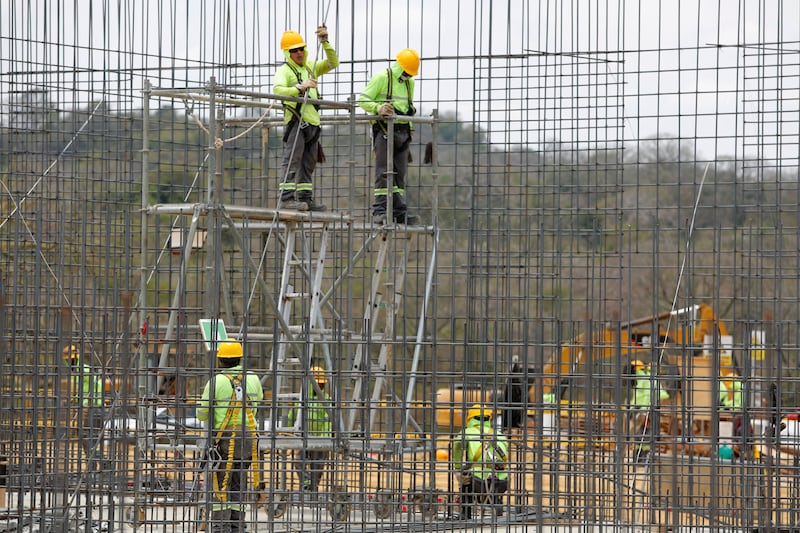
(730, 391)
(301, 149)
(315, 422)
(229, 402)
(641, 403)
(549, 399)
(390, 92)
(86, 393)
(480, 462)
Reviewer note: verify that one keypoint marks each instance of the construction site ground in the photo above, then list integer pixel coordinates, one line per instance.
(547, 490)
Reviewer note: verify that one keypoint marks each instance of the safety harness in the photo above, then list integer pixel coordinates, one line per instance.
(411, 109)
(491, 453)
(295, 109)
(237, 402)
(296, 115)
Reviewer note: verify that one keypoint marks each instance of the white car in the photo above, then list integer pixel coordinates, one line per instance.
(164, 423)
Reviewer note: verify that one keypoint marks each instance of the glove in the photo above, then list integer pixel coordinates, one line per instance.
(386, 109)
(322, 33)
(306, 85)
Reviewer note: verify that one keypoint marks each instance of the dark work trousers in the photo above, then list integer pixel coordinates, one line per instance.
(91, 433)
(311, 467)
(402, 142)
(482, 491)
(230, 519)
(299, 161)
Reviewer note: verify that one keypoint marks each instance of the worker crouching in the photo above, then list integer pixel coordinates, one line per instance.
(480, 461)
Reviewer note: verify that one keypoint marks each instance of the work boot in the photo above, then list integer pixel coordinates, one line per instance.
(294, 205)
(238, 524)
(405, 218)
(314, 206)
(221, 521)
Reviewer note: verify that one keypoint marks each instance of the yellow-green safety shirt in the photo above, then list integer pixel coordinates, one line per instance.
(286, 77)
(468, 450)
(222, 392)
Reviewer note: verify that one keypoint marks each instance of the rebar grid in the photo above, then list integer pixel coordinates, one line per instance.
(605, 174)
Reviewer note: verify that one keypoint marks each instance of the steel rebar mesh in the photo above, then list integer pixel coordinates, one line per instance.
(606, 174)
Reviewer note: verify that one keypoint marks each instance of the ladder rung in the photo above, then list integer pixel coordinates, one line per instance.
(289, 361)
(294, 295)
(288, 396)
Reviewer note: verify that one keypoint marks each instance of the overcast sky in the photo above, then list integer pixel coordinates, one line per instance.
(577, 71)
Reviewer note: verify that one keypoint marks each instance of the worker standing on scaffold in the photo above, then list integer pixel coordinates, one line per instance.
(230, 400)
(301, 149)
(388, 93)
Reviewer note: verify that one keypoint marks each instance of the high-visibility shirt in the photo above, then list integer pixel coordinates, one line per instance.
(730, 393)
(220, 389)
(642, 390)
(379, 88)
(87, 389)
(479, 449)
(290, 74)
(314, 417)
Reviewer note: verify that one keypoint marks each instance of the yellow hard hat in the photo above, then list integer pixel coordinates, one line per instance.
(478, 411)
(71, 352)
(229, 350)
(409, 60)
(292, 39)
(318, 373)
(637, 364)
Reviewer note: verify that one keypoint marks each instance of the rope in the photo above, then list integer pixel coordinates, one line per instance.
(663, 346)
(218, 141)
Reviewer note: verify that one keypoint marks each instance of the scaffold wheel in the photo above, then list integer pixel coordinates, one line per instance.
(276, 505)
(135, 515)
(385, 504)
(201, 518)
(339, 505)
(426, 503)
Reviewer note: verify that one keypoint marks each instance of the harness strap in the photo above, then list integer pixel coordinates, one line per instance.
(295, 110)
(235, 403)
(495, 446)
(389, 91)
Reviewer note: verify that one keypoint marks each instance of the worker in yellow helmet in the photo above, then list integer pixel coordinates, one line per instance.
(480, 461)
(86, 396)
(390, 92)
(730, 391)
(229, 403)
(312, 418)
(301, 149)
(646, 390)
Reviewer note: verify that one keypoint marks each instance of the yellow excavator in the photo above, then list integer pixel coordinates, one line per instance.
(587, 368)
(656, 340)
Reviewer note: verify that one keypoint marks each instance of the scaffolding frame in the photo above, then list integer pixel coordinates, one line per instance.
(597, 162)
